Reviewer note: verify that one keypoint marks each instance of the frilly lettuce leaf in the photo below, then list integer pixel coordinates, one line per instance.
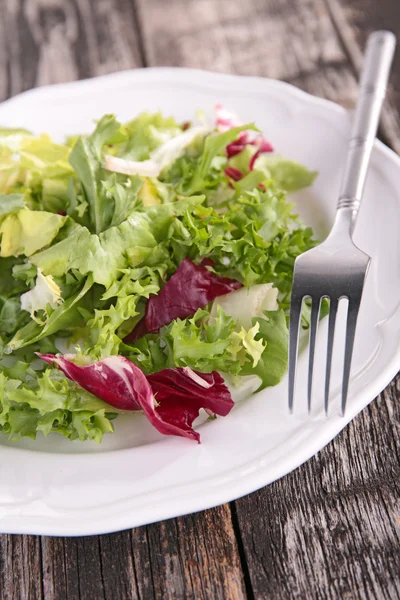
(216, 343)
(103, 255)
(105, 333)
(214, 144)
(273, 332)
(203, 342)
(50, 403)
(252, 347)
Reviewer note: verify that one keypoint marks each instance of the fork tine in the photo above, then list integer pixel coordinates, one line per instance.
(294, 325)
(315, 307)
(331, 333)
(352, 314)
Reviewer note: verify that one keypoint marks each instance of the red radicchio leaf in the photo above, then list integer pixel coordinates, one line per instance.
(253, 160)
(237, 145)
(226, 120)
(233, 173)
(262, 146)
(115, 379)
(180, 393)
(207, 262)
(190, 287)
(246, 139)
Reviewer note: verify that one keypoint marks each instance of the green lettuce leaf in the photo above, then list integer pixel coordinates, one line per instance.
(9, 285)
(51, 403)
(63, 317)
(274, 333)
(241, 161)
(148, 354)
(145, 134)
(202, 346)
(109, 203)
(205, 342)
(26, 231)
(214, 144)
(10, 203)
(288, 174)
(11, 315)
(110, 325)
(36, 166)
(126, 198)
(104, 255)
(251, 180)
(254, 239)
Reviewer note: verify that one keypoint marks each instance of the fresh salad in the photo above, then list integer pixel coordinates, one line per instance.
(144, 267)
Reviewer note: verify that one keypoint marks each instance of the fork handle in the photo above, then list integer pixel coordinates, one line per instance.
(374, 77)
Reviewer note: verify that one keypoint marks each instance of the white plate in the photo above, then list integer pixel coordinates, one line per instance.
(135, 477)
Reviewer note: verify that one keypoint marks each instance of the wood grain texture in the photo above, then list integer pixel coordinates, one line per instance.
(329, 530)
(20, 567)
(354, 21)
(293, 40)
(52, 41)
(189, 557)
(315, 44)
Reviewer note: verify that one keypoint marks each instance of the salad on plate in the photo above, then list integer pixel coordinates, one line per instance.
(144, 267)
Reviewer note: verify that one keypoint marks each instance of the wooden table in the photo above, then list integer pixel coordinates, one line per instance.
(331, 529)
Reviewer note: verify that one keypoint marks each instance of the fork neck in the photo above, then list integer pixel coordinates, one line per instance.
(344, 222)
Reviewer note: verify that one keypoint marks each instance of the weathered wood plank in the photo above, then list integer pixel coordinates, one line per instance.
(353, 22)
(290, 40)
(190, 557)
(20, 567)
(52, 41)
(305, 42)
(60, 568)
(331, 529)
(197, 557)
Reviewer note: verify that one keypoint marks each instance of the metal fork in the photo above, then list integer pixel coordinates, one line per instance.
(337, 269)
